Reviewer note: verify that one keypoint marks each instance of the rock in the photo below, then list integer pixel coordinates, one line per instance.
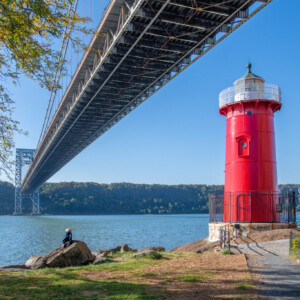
(156, 249)
(124, 248)
(104, 254)
(36, 262)
(14, 267)
(77, 254)
(121, 248)
(144, 253)
(104, 251)
(133, 250)
(100, 258)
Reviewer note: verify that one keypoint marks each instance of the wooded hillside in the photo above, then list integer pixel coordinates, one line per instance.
(67, 198)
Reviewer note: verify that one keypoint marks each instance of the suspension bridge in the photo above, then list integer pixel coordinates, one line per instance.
(137, 48)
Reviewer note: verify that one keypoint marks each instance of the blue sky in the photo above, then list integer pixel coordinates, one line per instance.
(178, 136)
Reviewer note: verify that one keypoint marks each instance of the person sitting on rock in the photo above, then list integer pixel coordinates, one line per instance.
(68, 238)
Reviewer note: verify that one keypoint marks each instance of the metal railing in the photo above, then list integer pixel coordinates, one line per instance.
(225, 236)
(233, 94)
(252, 206)
(216, 207)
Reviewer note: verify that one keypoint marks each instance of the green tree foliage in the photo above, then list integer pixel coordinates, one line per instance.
(8, 126)
(7, 194)
(30, 31)
(67, 198)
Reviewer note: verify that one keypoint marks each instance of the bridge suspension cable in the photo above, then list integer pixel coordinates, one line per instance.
(92, 10)
(63, 50)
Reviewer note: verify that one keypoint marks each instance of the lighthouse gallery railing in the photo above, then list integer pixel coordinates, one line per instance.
(233, 94)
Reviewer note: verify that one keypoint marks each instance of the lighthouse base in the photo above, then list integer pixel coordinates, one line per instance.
(243, 229)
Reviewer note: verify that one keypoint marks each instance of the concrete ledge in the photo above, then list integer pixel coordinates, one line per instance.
(243, 229)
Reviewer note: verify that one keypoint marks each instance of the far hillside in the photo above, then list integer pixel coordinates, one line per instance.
(70, 198)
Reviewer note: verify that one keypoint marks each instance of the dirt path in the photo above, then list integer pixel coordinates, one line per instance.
(278, 275)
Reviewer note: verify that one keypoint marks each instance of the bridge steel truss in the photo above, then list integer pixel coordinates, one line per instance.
(139, 46)
(24, 158)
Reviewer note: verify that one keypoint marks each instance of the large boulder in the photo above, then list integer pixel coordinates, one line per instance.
(77, 254)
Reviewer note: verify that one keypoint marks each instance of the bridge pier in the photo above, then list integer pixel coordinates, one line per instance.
(18, 202)
(23, 159)
(35, 198)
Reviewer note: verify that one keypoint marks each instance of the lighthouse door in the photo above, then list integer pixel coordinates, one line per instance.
(243, 208)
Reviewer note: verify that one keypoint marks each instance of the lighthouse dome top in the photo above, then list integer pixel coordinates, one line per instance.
(249, 78)
(249, 87)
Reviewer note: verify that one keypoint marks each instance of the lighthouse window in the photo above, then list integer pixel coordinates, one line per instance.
(249, 113)
(243, 146)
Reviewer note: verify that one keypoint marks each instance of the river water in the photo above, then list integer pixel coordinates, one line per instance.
(23, 236)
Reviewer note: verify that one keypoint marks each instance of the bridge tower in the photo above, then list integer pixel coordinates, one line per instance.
(23, 159)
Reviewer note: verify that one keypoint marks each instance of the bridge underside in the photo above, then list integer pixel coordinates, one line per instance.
(138, 48)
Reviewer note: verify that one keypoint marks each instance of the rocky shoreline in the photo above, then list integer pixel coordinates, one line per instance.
(77, 254)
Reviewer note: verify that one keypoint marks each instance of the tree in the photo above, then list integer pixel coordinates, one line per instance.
(30, 31)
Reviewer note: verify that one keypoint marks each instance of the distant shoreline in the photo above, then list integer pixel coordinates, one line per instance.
(50, 215)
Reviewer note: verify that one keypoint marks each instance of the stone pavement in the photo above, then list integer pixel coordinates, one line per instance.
(279, 276)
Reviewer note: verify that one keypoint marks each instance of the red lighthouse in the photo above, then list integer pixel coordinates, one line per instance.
(250, 193)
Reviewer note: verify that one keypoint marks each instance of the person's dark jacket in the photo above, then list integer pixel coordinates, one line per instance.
(68, 238)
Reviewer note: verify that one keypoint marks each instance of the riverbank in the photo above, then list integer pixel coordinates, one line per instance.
(173, 276)
(196, 270)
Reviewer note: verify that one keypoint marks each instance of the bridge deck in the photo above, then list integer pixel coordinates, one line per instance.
(139, 46)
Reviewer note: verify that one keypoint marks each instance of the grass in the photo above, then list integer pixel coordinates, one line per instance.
(244, 286)
(190, 277)
(294, 254)
(147, 274)
(120, 254)
(155, 255)
(124, 265)
(229, 298)
(71, 283)
(68, 284)
(125, 277)
(227, 252)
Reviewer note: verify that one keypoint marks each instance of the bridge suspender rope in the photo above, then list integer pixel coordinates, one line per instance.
(63, 50)
(58, 77)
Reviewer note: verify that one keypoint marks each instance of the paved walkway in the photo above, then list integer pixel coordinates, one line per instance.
(279, 276)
